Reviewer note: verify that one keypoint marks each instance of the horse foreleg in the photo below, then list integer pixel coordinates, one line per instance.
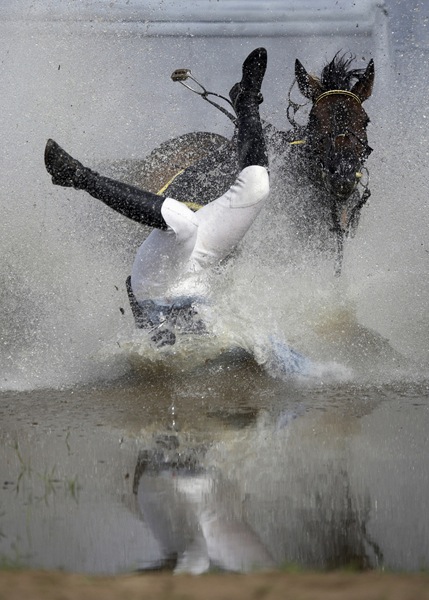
(339, 238)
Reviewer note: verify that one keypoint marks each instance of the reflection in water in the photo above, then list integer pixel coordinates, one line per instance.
(191, 512)
(340, 531)
(200, 519)
(319, 478)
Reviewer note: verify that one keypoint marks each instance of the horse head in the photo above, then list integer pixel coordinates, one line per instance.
(337, 123)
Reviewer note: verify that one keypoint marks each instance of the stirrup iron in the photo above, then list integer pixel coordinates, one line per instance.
(182, 75)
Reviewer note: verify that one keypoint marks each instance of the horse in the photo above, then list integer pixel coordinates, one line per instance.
(318, 171)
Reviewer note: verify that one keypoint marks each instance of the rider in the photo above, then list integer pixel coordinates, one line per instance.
(166, 273)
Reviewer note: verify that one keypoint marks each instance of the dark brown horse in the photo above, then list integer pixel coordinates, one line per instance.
(318, 173)
(323, 161)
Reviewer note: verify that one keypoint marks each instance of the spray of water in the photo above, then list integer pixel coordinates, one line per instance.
(373, 319)
(65, 257)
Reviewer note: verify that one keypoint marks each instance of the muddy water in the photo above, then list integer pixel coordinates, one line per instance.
(224, 467)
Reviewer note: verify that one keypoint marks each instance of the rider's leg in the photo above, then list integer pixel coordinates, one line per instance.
(195, 241)
(246, 97)
(132, 202)
(143, 206)
(224, 222)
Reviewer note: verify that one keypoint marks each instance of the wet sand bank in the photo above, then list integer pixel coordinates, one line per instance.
(373, 585)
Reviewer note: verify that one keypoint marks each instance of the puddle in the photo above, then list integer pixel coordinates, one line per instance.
(233, 471)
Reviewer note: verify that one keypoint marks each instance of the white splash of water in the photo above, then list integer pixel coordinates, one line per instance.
(65, 257)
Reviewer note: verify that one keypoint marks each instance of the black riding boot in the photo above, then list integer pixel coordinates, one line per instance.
(246, 97)
(132, 202)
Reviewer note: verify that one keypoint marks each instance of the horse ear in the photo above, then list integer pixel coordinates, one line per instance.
(309, 86)
(363, 87)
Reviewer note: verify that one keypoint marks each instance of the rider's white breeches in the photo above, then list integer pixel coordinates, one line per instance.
(195, 241)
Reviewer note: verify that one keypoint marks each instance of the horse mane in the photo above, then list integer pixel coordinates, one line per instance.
(337, 75)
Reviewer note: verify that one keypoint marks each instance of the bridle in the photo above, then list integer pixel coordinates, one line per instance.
(361, 180)
(366, 149)
(294, 107)
(337, 93)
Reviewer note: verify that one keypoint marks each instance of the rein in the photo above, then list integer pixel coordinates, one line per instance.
(192, 205)
(293, 107)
